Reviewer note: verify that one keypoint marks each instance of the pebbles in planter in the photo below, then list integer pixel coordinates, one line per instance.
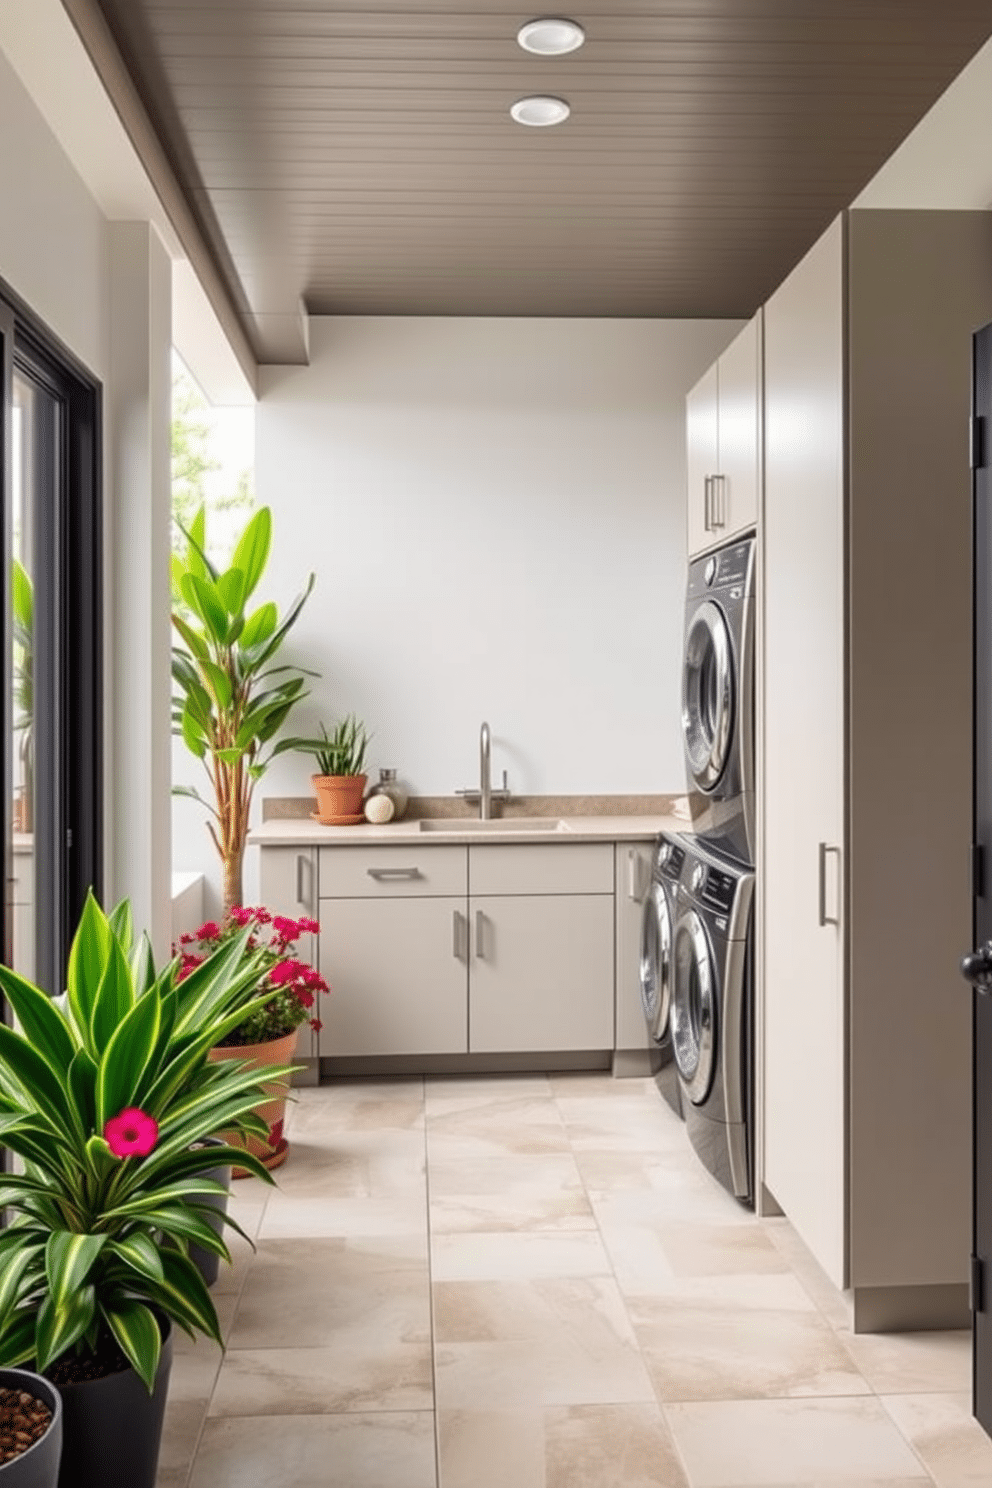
(23, 1421)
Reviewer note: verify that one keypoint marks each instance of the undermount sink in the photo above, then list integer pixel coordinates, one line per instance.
(497, 824)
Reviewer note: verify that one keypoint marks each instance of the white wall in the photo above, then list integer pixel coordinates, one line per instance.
(495, 511)
(55, 253)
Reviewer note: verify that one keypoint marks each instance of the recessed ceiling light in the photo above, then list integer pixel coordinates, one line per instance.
(540, 111)
(551, 37)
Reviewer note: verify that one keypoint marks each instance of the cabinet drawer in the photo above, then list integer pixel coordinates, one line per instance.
(541, 868)
(392, 872)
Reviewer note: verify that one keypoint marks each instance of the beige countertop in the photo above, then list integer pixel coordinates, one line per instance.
(298, 832)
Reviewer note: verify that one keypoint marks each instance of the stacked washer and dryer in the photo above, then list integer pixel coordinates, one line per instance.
(697, 961)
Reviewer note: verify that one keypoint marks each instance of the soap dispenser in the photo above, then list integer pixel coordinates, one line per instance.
(388, 785)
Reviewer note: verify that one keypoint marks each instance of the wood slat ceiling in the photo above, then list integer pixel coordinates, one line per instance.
(362, 159)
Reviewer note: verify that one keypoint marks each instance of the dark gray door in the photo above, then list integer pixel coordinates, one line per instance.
(978, 966)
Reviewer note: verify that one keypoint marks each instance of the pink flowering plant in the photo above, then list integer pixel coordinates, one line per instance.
(286, 992)
(107, 1101)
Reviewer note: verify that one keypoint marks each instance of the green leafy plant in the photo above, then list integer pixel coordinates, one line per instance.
(230, 699)
(339, 753)
(104, 1099)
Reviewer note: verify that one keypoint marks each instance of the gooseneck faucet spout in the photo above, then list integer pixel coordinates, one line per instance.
(485, 775)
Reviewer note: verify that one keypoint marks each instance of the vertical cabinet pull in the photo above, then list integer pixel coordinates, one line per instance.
(719, 501)
(825, 850)
(480, 921)
(304, 867)
(635, 890)
(707, 488)
(459, 936)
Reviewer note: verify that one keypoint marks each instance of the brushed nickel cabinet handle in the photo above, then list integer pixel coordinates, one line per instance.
(824, 850)
(635, 878)
(459, 936)
(390, 875)
(719, 501)
(707, 492)
(303, 863)
(480, 921)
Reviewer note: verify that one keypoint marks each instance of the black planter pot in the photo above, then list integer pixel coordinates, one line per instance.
(38, 1467)
(112, 1428)
(205, 1261)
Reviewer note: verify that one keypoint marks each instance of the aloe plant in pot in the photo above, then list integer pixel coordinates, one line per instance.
(231, 700)
(104, 1101)
(339, 783)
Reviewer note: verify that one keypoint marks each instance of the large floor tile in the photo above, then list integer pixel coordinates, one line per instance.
(360, 1105)
(369, 1369)
(517, 1257)
(448, 1093)
(315, 1293)
(720, 1250)
(386, 1163)
(624, 1124)
(946, 1437)
(289, 1215)
(704, 1352)
(521, 1125)
(386, 1450)
(523, 1192)
(791, 1444)
(515, 1344)
(912, 1363)
(576, 1446)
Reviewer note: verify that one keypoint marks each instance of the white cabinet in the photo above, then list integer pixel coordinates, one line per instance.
(485, 949)
(397, 973)
(867, 755)
(288, 885)
(723, 444)
(541, 966)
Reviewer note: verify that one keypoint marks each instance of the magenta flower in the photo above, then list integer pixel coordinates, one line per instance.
(131, 1133)
(305, 923)
(286, 928)
(285, 971)
(241, 915)
(209, 931)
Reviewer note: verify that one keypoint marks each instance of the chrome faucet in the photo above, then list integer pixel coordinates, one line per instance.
(485, 795)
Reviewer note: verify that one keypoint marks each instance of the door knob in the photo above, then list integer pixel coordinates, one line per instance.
(977, 968)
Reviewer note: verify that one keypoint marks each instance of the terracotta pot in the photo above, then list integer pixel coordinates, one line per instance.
(272, 1111)
(339, 796)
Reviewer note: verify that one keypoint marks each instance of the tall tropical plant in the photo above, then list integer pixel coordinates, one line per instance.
(107, 1100)
(230, 700)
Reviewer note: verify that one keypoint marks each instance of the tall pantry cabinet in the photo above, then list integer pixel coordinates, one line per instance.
(866, 773)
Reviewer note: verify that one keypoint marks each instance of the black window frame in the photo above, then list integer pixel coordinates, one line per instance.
(69, 638)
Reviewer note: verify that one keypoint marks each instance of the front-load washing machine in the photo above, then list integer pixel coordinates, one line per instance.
(712, 1013)
(657, 938)
(718, 698)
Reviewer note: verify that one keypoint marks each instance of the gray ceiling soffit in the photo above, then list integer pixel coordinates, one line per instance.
(362, 160)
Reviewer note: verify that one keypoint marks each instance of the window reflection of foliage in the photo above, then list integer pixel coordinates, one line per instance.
(193, 461)
(22, 604)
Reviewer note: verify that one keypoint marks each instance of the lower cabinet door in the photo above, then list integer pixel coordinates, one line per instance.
(398, 976)
(288, 883)
(541, 973)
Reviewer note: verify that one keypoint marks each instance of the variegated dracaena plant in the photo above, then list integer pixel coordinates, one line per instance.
(106, 1102)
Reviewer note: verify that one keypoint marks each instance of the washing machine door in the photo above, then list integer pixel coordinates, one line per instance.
(707, 695)
(656, 961)
(694, 1011)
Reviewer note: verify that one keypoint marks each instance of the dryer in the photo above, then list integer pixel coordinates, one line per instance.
(657, 938)
(718, 698)
(712, 1013)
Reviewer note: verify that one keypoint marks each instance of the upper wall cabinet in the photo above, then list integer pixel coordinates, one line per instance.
(723, 434)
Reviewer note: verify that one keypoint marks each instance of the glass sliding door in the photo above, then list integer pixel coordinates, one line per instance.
(52, 695)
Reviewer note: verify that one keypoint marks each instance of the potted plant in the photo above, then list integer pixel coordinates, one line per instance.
(283, 997)
(340, 781)
(30, 1430)
(105, 1099)
(231, 700)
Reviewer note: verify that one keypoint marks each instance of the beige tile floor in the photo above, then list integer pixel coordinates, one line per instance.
(532, 1283)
